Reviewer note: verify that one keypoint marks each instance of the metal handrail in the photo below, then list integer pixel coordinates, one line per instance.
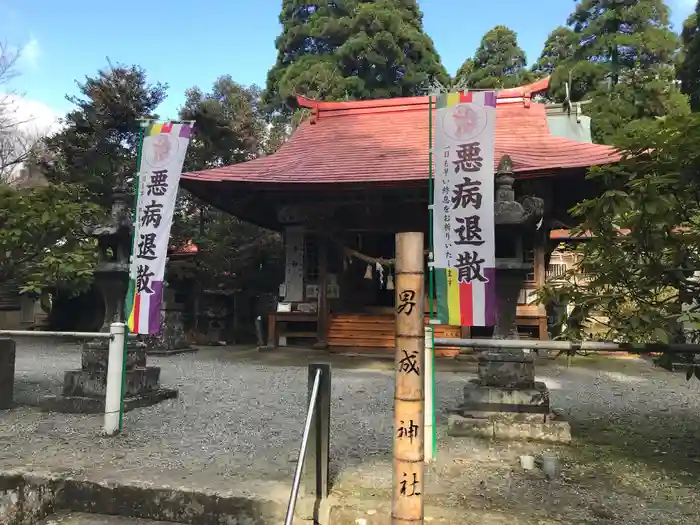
(116, 363)
(38, 333)
(73, 335)
(591, 346)
(302, 450)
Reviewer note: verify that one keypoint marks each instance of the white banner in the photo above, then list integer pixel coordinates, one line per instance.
(162, 156)
(463, 208)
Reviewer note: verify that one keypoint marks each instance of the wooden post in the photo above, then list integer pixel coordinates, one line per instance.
(409, 428)
(540, 279)
(322, 324)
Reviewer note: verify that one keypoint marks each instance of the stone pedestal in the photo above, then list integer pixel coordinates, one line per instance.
(172, 339)
(7, 373)
(84, 390)
(506, 402)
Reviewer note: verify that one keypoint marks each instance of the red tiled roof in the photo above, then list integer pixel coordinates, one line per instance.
(387, 141)
(188, 248)
(562, 234)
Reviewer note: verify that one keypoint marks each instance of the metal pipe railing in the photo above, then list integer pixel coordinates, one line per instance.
(114, 388)
(569, 346)
(36, 333)
(302, 451)
(75, 335)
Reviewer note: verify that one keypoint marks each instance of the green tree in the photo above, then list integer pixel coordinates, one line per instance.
(624, 60)
(461, 79)
(229, 128)
(43, 238)
(559, 47)
(689, 59)
(637, 268)
(621, 36)
(98, 144)
(499, 61)
(351, 50)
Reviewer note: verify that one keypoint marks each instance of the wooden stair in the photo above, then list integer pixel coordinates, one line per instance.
(374, 333)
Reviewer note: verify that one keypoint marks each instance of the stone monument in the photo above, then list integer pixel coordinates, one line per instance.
(505, 401)
(172, 339)
(84, 390)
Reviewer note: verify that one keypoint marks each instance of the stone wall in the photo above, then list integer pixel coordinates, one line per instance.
(24, 500)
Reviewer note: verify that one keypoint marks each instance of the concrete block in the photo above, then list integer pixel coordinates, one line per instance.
(482, 398)
(7, 372)
(551, 431)
(96, 405)
(89, 383)
(499, 427)
(459, 426)
(95, 356)
(504, 416)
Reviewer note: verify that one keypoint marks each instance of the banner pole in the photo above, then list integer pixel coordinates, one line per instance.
(431, 445)
(130, 290)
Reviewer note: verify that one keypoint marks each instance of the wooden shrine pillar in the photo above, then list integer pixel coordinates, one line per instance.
(409, 429)
(323, 313)
(540, 270)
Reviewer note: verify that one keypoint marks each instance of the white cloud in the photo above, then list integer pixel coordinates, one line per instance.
(32, 117)
(30, 54)
(25, 122)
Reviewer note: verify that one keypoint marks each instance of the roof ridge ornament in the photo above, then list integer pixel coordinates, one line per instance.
(435, 87)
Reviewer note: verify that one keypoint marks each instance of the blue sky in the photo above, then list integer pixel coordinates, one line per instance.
(191, 43)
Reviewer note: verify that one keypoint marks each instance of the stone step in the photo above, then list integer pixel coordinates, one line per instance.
(79, 518)
(26, 498)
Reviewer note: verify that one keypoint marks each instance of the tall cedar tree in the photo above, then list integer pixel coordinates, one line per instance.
(499, 61)
(351, 50)
(98, 144)
(558, 48)
(624, 36)
(461, 80)
(229, 128)
(689, 61)
(228, 124)
(624, 61)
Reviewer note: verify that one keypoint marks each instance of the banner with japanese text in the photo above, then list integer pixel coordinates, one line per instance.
(163, 152)
(463, 208)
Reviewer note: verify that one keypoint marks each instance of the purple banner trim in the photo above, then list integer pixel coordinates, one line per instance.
(185, 131)
(490, 99)
(155, 303)
(490, 297)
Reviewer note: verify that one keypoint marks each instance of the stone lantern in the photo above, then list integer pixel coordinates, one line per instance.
(84, 389)
(505, 401)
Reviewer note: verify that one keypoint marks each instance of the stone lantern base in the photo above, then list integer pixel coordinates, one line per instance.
(506, 402)
(84, 390)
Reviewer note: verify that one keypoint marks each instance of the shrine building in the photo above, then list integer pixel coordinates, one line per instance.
(355, 173)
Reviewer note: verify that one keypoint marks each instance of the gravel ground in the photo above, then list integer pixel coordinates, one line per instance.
(237, 423)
